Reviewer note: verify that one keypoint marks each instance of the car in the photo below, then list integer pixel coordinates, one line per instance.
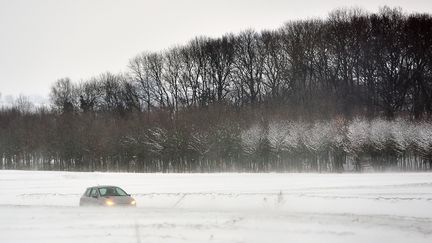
(108, 196)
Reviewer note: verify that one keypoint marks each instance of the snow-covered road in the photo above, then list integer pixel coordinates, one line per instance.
(42, 207)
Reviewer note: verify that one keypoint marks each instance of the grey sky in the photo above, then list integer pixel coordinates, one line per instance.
(43, 40)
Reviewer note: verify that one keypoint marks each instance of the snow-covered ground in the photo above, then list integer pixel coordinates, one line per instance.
(43, 207)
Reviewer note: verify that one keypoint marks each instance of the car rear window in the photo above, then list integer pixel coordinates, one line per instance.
(87, 192)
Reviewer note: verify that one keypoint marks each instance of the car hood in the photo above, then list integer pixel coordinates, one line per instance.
(120, 199)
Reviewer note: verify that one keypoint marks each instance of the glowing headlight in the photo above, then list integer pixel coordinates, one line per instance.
(133, 202)
(109, 203)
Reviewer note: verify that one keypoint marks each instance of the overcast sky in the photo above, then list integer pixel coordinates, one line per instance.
(43, 40)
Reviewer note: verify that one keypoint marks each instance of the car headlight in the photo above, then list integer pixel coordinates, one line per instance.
(133, 202)
(109, 203)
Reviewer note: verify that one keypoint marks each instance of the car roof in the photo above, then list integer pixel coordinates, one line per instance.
(102, 186)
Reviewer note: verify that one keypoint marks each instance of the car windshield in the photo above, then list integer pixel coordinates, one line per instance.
(111, 191)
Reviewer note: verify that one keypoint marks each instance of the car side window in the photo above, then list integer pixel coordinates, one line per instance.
(120, 192)
(87, 192)
(102, 191)
(94, 192)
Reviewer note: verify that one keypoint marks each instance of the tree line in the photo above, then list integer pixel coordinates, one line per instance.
(346, 92)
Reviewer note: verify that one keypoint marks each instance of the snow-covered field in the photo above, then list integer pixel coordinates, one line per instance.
(43, 207)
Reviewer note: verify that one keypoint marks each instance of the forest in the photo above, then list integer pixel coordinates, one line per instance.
(349, 92)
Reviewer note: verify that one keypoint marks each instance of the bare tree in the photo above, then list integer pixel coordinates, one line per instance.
(220, 58)
(139, 72)
(248, 65)
(63, 95)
